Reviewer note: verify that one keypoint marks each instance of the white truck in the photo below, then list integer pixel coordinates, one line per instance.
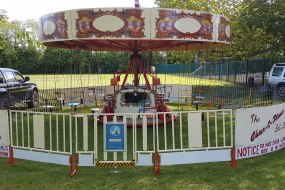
(277, 78)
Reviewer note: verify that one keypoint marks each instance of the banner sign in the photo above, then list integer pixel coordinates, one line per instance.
(259, 130)
(115, 137)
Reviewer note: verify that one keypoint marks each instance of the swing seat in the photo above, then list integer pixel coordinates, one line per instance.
(74, 102)
(197, 98)
(50, 104)
(73, 105)
(186, 98)
(48, 107)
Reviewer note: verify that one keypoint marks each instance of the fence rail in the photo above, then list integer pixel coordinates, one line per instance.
(231, 71)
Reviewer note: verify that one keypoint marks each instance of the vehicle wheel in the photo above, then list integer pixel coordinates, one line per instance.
(33, 103)
(4, 102)
(275, 93)
(281, 91)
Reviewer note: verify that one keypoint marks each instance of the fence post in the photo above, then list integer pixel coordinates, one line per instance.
(75, 171)
(235, 65)
(263, 71)
(219, 66)
(11, 155)
(156, 160)
(228, 72)
(246, 75)
(233, 162)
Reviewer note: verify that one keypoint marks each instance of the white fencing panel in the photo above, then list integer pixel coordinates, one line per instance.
(144, 159)
(176, 158)
(195, 130)
(86, 159)
(139, 137)
(46, 157)
(209, 131)
(43, 137)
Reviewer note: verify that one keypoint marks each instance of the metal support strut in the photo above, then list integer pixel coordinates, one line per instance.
(73, 171)
(156, 163)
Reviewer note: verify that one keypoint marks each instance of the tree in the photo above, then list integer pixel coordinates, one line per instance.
(223, 7)
(266, 21)
(19, 47)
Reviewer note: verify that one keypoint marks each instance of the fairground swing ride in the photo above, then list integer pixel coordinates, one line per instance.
(135, 30)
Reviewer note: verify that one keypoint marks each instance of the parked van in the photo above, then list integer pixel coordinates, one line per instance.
(277, 77)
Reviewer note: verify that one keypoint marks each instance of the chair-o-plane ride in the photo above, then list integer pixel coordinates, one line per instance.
(135, 30)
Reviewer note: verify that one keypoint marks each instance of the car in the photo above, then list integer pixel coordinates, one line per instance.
(277, 78)
(14, 89)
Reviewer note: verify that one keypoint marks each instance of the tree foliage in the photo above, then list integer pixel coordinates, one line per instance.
(19, 47)
(264, 26)
(223, 7)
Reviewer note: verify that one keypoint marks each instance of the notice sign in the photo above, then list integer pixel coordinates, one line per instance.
(4, 151)
(115, 137)
(260, 149)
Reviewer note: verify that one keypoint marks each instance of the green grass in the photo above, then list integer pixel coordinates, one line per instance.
(264, 172)
(84, 80)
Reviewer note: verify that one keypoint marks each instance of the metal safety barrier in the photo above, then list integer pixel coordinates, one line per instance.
(149, 139)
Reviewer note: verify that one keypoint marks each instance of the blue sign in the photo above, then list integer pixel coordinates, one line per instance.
(115, 137)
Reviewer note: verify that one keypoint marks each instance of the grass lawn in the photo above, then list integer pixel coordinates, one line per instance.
(77, 80)
(264, 172)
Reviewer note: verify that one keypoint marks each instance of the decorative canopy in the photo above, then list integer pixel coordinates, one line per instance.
(134, 29)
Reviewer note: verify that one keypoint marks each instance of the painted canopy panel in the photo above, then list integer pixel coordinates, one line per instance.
(110, 23)
(223, 32)
(122, 29)
(55, 26)
(183, 24)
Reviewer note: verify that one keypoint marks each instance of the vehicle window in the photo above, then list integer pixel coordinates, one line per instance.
(19, 77)
(1, 77)
(277, 71)
(9, 76)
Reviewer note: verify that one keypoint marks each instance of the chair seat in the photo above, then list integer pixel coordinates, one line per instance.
(73, 103)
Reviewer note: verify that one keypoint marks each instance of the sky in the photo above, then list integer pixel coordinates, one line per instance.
(33, 9)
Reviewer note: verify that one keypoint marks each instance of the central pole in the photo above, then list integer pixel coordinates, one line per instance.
(136, 67)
